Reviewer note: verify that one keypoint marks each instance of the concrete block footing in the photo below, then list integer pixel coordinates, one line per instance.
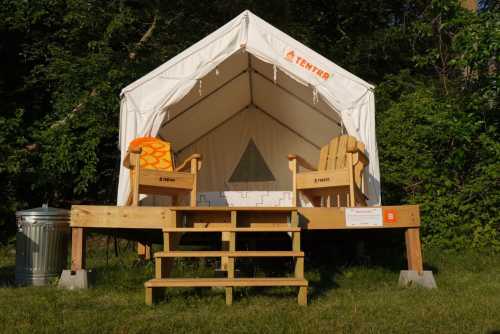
(78, 279)
(411, 277)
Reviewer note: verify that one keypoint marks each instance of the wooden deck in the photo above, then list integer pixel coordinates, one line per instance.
(251, 219)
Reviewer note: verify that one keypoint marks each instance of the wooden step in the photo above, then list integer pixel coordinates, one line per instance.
(229, 254)
(232, 229)
(225, 282)
(239, 209)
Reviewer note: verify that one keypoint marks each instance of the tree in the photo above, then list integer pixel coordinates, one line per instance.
(435, 64)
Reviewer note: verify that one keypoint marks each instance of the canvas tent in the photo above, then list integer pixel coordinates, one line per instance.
(244, 97)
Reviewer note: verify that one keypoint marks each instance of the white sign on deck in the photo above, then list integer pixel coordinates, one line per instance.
(363, 217)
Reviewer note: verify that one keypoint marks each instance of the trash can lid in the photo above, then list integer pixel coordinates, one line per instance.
(44, 210)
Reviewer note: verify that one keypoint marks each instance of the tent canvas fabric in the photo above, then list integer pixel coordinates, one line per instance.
(249, 82)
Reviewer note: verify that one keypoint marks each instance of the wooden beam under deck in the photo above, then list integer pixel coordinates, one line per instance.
(84, 217)
(334, 218)
(112, 217)
(99, 216)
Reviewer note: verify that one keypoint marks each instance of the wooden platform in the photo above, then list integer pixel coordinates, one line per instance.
(179, 220)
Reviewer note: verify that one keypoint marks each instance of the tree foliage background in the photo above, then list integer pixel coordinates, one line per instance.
(435, 65)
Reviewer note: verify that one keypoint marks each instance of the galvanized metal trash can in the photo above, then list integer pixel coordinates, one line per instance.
(41, 244)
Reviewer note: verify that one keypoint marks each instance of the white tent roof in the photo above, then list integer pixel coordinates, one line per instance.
(208, 92)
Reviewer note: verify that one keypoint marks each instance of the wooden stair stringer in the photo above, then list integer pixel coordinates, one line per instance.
(228, 257)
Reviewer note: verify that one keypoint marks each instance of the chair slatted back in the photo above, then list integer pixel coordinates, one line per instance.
(334, 154)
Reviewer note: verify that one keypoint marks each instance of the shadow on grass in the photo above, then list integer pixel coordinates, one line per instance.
(7, 276)
(434, 269)
(121, 277)
(329, 256)
(327, 281)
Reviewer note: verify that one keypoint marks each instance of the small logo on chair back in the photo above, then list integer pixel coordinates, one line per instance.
(166, 179)
(321, 179)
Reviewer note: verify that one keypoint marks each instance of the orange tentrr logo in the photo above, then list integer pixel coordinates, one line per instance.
(390, 216)
(305, 64)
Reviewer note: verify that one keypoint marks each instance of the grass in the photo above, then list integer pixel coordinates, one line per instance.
(356, 298)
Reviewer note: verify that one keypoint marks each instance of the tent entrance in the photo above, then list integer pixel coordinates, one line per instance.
(245, 117)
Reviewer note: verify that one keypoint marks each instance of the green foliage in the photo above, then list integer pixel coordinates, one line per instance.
(435, 154)
(439, 134)
(63, 64)
(12, 159)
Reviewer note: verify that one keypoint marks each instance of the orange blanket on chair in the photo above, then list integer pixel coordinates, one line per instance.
(155, 154)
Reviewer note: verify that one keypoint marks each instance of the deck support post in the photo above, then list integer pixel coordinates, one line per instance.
(144, 251)
(414, 250)
(302, 297)
(78, 248)
(415, 274)
(229, 295)
(77, 277)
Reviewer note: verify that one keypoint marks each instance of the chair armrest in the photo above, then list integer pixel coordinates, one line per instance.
(361, 154)
(362, 157)
(301, 161)
(187, 163)
(129, 161)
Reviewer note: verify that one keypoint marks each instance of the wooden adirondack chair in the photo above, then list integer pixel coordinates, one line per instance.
(338, 180)
(152, 171)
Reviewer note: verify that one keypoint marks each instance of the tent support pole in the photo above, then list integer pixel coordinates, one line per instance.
(250, 81)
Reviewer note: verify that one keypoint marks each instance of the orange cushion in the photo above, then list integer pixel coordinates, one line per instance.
(156, 153)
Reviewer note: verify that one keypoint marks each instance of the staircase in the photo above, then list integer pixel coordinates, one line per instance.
(229, 222)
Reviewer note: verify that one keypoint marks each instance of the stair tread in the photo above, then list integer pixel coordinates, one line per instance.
(229, 254)
(233, 229)
(208, 282)
(244, 209)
